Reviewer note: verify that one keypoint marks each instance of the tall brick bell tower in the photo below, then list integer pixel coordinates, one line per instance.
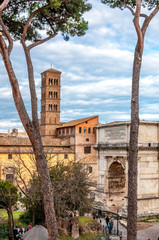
(50, 102)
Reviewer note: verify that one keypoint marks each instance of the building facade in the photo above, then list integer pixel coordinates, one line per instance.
(17, 158)
(112, 156)
(80, 135)
(73, 140)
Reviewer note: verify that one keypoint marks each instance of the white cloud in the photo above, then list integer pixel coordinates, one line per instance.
(96, 70)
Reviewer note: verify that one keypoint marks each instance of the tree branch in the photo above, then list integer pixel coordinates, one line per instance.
(7, 34)
(3, 5)
(148, 19)
(15, 89)
(41, 41)
(137, 26)
(28, 22)
(133, 13)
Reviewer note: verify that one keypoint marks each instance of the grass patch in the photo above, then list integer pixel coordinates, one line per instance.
(148, 220)
(4, 215)
(86, 220)
(82, 237)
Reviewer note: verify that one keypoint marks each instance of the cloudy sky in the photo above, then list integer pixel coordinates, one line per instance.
(96, 70)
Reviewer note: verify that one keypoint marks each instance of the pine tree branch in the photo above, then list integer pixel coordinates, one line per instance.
(137, 26)
(7, 34)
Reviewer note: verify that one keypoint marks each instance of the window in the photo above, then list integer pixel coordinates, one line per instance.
(80, 129)
(94, 130)
(65, 156)
(55, 94)
(87, 139)
(63, 131)
(90, 170)
(71, 130)
(86, 122)
(59, 132)
(87, 150)
(50, 81)
(89, 130)
(50, 94)
(9, 156)
(10, 177)
(55, 107)
(67, 130)
(50, 107)
(84, 130)
(56, 82)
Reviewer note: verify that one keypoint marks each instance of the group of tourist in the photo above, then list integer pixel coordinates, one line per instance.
(109, 223)
(18, 232)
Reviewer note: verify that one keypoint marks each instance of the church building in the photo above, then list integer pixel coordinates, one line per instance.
(73, 140)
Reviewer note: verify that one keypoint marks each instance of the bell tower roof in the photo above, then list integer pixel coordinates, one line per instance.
(52, 70)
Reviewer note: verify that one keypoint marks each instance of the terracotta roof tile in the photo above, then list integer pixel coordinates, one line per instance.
(17, 141)
(51, 70)
(76, 122)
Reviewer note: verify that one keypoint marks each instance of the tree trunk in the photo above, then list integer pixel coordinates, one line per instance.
(33, 216)
(133, 149)
(12, 220)
(9, 223)
(33, 131)
(46, 188)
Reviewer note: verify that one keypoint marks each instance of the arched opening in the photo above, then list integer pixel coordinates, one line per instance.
(116, 185)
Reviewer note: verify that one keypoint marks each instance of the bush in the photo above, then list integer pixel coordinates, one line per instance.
(3, 230)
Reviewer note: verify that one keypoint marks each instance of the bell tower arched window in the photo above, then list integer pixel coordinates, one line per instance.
(50, 107)
(55, 107)
(50, 81)
(50, 94)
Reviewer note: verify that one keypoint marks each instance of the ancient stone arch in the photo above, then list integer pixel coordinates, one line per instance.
(116, 184)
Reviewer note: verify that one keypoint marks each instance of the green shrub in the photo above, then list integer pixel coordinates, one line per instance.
(3, 230)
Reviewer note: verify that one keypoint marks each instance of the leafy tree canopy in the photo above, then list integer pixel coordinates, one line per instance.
(8, 194)
(71, 186)
(53, 15)
(149, 4)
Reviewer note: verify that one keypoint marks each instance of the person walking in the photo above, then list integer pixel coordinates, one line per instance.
(30, 227)
(109, 228)
(111, 223)
(107, 220)
(15, 233)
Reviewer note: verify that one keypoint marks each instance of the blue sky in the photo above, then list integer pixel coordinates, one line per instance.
(96, 70)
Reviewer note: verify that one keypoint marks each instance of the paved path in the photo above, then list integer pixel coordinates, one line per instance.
(120, 227)
(151, 233)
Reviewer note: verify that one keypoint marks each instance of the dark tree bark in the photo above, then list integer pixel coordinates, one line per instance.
(134, 128)
(56, 15)
(9, 222)
(33, 217)
(133, 149)
(32, 127)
